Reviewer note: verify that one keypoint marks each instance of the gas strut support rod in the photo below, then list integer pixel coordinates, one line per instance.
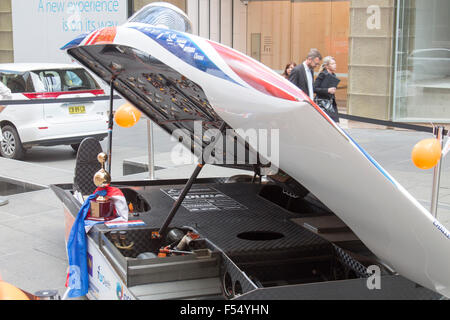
(110, 123)
(187, 187)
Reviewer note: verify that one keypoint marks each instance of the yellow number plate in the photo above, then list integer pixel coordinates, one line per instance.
(77, 109)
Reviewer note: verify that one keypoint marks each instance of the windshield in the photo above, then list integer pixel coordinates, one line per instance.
(163, 15)
(63, 80)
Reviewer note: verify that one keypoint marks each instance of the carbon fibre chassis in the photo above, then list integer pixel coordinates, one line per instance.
(275, 268)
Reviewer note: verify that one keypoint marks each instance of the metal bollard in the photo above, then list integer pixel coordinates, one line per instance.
(436, 174)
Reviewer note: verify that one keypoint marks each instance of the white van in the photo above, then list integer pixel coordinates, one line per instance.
(48, 124)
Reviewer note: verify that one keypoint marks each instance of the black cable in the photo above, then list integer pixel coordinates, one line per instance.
(387, 123)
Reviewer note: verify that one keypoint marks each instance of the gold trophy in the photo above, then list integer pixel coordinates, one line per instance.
(102, 207)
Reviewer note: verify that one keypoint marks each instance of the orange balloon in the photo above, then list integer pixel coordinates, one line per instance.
(127, 115)
(426, 153)
(9, 292)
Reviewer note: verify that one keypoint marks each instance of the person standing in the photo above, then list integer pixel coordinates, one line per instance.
(325, 87)
(288, 69)
(5, 93)
(303, 74)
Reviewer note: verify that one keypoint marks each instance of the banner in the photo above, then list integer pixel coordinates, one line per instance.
(42, 27)
(77, 276)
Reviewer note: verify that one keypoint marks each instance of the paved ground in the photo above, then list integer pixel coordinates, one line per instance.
(32, 252)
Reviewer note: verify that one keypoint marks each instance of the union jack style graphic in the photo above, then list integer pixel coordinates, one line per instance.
(105, 35)
(119, 201)
(184, 47)
(116, 224)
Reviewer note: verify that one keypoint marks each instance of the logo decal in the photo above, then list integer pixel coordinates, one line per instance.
(89, 263)
(180, 45)
(74, 277)
(441, 228)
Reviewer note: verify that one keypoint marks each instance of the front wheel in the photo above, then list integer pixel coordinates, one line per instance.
(11, 146)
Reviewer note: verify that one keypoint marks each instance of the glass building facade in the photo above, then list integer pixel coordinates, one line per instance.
(422, 61)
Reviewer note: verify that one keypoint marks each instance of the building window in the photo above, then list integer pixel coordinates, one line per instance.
(422, 64)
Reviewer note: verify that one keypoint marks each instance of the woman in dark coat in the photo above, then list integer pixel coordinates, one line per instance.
(325, 84)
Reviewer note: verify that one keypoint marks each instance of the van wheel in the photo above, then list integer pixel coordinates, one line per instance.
(11, 146)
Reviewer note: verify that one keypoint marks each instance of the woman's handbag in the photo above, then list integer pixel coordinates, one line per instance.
(325, 104)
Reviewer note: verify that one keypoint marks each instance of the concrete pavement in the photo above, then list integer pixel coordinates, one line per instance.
(32, 249)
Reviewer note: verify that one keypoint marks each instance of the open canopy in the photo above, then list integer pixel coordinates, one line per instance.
(180, 81)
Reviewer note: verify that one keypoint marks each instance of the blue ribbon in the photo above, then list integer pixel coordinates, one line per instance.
(77, 251)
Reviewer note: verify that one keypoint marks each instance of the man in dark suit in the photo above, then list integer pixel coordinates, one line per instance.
(303, 74)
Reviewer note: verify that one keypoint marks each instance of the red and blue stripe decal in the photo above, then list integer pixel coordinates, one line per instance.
(187, 50)
(101, 36)
(75, 42)
(262, 79)
(180, 45)
(372, 160)
(255, 75)
(248, 70)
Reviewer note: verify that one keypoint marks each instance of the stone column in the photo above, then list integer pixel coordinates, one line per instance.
(371, 58)
(224, 21)
(6, 38)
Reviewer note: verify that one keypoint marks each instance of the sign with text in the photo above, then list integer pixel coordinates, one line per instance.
(42, 27)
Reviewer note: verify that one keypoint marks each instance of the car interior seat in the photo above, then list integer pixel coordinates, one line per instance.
(15, 85)
(87, 166)
(52, 83)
